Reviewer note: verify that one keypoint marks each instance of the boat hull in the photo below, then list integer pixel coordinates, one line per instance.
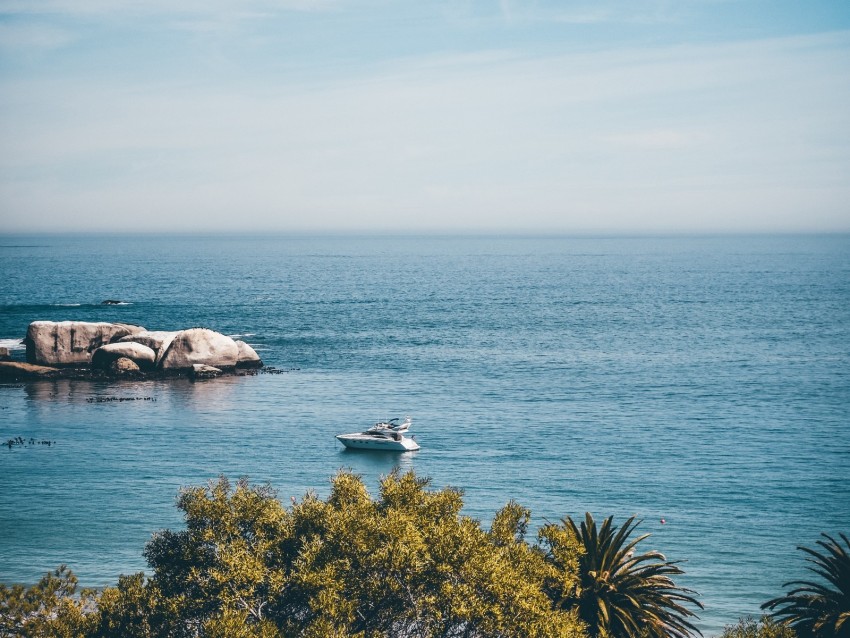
(365, 442)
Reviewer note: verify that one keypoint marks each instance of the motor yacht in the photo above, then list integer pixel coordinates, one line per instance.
(384, 435)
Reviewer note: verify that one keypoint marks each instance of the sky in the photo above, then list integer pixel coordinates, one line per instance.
(438, 116)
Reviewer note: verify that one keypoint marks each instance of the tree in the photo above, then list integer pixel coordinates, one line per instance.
(405, 564)
(763, 628)
(618, 593)
(47, 609)
(814, 609)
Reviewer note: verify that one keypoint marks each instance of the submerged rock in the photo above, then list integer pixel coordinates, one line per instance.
(71, 343)
(248, 357)
(17, 370)
(200, 371)
(199, 346)
(141, 356)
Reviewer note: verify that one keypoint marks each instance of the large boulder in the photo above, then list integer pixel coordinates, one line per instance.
(70, 343)
(199, 346)
(142, 356)
(248, 357)
(156, 340)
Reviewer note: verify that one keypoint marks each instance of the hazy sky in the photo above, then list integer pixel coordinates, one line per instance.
(418, 115)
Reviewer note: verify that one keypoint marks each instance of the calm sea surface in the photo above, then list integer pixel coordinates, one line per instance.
(705, 381)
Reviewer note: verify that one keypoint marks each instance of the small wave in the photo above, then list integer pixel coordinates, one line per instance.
(239, 336)
(90, 305)
(28, 307)
(12, 344)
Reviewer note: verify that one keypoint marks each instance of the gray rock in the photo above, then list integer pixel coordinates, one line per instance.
(123, 366)
(68, 343)
(199, 346)
(248, 357)
(17, 370)
(200, 371)
(141, 355)
(156, 340)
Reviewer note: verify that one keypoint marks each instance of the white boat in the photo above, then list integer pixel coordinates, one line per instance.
(384, 435)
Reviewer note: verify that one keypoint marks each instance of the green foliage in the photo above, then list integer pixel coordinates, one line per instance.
(817, 609)
(404, 564)
(764, 628)
(407, 563)
(618, 593)
(136, 608)
(45, 610)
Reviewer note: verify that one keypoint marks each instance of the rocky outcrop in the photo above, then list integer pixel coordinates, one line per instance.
(18, 370)
(142, 356)
(70, 343)
(86, 350)
(247, 357)
(199, 346)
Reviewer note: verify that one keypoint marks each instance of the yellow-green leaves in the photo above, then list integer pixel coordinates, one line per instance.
(48, 609)
(405, 563)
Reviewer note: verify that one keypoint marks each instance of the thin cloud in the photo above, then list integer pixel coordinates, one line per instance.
(646, 12)
(26, 37)
(692, 137)
(160, 7)
(658, 139)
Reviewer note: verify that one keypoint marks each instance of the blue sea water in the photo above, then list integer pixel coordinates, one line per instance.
(700, 380)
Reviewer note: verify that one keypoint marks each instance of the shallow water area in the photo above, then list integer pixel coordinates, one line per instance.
(704, 381)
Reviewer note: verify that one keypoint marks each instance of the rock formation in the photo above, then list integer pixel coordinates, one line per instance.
(156, 340)
(200, 371)
(142, 356)
(69, 343)
(85, 350)
(123, 366)
(199, 345)
(248, 357)
(18, 370)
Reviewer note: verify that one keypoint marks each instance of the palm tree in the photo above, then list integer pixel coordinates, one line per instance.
(617, 592)
(818, 610)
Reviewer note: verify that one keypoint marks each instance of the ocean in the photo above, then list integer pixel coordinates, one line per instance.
(701, 380)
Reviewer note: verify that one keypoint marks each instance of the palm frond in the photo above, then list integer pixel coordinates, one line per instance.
(622, 593)
(817, 609)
